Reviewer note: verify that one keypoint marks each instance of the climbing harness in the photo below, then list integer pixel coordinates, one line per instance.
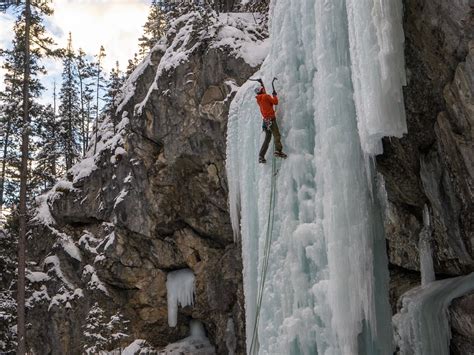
(266, 256)
(267, 125)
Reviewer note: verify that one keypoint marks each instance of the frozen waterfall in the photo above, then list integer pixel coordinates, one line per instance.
(326, 285)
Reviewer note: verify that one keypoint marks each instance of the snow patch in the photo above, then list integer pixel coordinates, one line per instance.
(197, 343)
(43, 202)
(36, 276)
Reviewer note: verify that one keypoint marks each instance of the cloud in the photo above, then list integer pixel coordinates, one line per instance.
(116, 25)
(6, 36)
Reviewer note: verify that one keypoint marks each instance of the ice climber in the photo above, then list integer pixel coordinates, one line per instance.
(269, 125)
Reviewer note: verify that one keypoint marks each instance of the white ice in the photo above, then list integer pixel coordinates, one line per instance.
(422, 325)
(196, 343)
(180, 291)
(426, 253)
(326, 288)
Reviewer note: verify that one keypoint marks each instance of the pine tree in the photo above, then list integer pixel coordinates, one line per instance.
(99, 87)
(47, 169)
(114, 85)
(85, 73)
(69, 112)
(10, 106)
(132, 64)
(30, 45)
(154, 27)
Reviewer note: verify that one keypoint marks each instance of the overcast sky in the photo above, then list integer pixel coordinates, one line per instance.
(115, 24)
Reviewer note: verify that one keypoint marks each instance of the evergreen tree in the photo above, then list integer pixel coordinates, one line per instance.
(10, 106)
(47, 167)
(8, 265)
(69, 112)
(154, 27)
(30, 45)
(99, 86)
(85, 73)
(11, 100)
(132, 64)
(114, 85)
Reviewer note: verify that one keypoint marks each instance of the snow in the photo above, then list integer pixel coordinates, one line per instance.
(121, 196)
(197, 343)
(180, 291)
(108, 241)
(119, 152)
(36, 276)
(84, 168)
(422, 325)
(237, 32)
(94, 283)
(38, 297)
(138, 346)
(128, 179)
(87, 240)
(69, 247)
(43, 202)
(107, 141)
(135, 347)
(326, 288)
(128, 89)
(64, 298)
(54, 263)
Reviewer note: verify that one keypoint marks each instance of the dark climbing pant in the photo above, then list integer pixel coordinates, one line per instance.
(268, 136)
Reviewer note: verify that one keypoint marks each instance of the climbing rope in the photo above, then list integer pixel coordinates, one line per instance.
(266, 256)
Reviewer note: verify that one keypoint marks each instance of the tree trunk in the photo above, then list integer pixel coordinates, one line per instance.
(4, 162)
(54, 157)
(97, 112)
(23, 185)
(83, 119)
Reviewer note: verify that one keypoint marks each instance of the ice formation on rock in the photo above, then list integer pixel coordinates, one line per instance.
(326, 288)
(180, 289)
(422, 325)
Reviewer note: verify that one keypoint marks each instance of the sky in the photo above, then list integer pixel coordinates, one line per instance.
(115, 24)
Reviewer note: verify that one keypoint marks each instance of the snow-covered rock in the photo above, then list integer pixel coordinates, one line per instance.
(150, 198)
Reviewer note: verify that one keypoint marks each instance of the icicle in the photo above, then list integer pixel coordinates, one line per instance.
(424, 245)
(327, 279)
(180, 289)
(378, 69)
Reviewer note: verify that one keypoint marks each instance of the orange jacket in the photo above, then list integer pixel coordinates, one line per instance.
(266, 103)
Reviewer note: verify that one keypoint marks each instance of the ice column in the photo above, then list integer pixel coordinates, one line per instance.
(326, 287)
(378, 69)
(180, 290)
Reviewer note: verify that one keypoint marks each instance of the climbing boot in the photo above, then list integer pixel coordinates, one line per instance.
(261, 160)
(280, 155)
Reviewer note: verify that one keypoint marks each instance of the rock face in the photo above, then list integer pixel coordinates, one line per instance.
(434, 163)
(155, 201)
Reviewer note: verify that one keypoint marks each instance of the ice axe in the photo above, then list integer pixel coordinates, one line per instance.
(273, 85)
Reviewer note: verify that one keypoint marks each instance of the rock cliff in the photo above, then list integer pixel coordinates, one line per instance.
(150, 198)
(433, 164)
